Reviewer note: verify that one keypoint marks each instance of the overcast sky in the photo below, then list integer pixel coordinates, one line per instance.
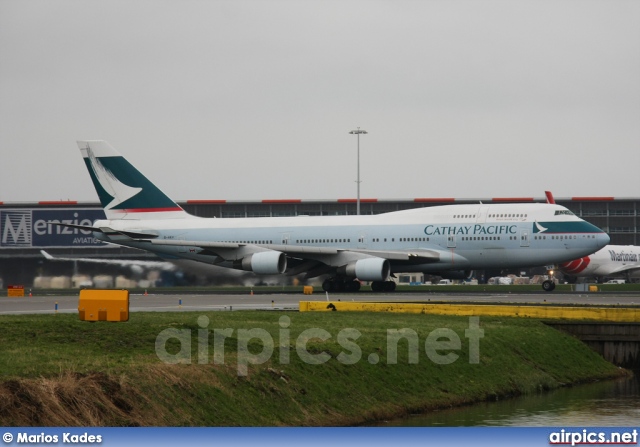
(251, 100)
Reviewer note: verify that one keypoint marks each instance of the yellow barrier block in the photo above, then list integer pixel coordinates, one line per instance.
(593, 288)
(103, 305)
(616, 314)
(307, 290)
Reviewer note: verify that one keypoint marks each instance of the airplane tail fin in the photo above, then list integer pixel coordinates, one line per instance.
(123, 191)
(550, 198)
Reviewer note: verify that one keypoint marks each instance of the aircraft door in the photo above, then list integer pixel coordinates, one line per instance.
(285, 238)
(451, 241)
(524, 238)
(482, 214)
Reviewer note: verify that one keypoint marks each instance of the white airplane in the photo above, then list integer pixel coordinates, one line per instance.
(611, 261)
(443, 240)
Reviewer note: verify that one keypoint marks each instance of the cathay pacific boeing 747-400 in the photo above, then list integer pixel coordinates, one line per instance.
(442, 240)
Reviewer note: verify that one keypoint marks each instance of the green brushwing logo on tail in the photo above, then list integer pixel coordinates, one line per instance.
(121, 187)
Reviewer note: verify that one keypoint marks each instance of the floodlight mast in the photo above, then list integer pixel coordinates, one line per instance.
(357, 132)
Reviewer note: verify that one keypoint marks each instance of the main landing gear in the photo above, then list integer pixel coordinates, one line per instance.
(340, 285)
(383, 286)
(353, 285)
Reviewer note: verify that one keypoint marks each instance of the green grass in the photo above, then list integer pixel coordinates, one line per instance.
(50, 362)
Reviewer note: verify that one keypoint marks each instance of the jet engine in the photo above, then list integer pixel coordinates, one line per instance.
(369, 269)
(263, 263)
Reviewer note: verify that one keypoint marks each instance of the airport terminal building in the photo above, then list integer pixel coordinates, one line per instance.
(28, 228)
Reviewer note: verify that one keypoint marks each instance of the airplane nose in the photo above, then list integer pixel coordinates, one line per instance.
(603, 239)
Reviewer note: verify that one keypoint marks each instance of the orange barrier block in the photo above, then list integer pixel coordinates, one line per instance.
(103, 305)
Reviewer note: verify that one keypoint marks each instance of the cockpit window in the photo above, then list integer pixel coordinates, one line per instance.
(564, 213)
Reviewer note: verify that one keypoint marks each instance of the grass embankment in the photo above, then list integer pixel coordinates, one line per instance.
(56, 370)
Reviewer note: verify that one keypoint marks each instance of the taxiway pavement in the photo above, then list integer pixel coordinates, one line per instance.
(232, 302)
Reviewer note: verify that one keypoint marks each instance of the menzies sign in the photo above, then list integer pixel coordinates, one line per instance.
(31, 228)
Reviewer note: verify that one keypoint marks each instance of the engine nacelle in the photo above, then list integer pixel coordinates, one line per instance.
(370, 269)
(264, 263)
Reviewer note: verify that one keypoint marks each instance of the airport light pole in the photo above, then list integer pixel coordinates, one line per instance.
(358, 132)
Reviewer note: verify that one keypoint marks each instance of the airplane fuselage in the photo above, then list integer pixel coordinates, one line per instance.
(465, 237)
(610, 261)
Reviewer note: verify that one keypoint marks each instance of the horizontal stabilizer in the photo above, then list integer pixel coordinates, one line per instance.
(79, 227)
(133, 234)
(111, 232)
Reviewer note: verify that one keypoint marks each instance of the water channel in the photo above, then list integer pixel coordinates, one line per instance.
(603, 404)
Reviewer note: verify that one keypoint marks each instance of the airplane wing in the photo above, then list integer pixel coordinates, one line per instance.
(624, 269)
(233, 251)
(122, 262)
